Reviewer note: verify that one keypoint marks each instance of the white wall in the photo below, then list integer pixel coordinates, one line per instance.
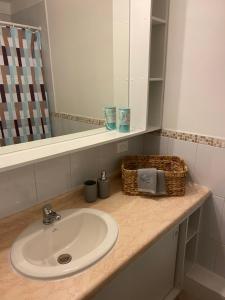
(81, 42)
(5, 17)
(18, 5)
(5, 11)
(62, 126)
(121, 49)
(195, 77)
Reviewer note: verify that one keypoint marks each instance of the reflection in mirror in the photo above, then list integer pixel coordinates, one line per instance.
(62, 68)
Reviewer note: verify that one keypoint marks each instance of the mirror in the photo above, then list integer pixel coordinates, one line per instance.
(56, 81)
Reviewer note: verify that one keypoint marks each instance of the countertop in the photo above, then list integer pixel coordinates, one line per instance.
(141, 222)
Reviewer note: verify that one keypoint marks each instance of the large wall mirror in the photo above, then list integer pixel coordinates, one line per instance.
(56, 81)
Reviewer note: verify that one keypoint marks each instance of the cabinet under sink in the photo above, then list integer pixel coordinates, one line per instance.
(150, 276)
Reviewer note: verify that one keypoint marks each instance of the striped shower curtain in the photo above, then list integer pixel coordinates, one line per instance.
(24, 113)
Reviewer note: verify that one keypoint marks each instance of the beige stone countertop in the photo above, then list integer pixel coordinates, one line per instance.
(141, 222)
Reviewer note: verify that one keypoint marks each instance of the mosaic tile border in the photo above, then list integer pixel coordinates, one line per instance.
(77, 118)
(194, 138)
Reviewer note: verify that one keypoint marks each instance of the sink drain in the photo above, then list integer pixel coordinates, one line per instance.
(64, 259)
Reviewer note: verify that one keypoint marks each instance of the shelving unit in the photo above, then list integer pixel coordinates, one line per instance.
(190, 254)
(158, 46)
(158, 21)
(188, 245)
(156, 104)
(193, 226)
(160, 9)
(155, 79)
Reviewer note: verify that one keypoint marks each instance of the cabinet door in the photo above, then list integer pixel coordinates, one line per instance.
(149, 277)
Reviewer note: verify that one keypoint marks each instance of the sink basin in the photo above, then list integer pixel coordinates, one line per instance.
(78, 240)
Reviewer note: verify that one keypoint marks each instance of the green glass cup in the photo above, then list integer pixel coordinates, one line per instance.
(110, 117)
(124, 119)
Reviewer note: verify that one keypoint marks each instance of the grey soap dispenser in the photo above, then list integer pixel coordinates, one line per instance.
(103, 186)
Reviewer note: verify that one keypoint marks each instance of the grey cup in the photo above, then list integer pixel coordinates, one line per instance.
(90, 191)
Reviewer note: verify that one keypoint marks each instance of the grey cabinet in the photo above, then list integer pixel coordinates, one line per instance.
(149, 277)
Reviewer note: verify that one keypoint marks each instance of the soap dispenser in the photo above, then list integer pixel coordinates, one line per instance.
(103, 186)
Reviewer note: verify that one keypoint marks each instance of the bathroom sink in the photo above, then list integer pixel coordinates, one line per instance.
(78, 240)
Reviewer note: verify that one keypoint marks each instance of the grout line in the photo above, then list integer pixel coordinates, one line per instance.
(167, 146)
(195, 160)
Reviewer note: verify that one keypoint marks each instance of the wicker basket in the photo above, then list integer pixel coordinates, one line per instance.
(174, 167)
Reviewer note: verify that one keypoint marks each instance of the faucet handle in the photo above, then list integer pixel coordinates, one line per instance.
(47, 209)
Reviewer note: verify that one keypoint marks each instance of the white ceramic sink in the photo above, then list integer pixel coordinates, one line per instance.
(78, 240)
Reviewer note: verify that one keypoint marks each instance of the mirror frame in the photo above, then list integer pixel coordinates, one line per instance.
(140, 21)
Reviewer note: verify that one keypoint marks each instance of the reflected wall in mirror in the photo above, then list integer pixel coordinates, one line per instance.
(57, 80)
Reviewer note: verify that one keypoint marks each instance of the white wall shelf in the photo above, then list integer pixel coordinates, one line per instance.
(158, 49)
(191, 236)
(193, 225)
(153, 128)
(29, 156)
(187, 249)
(152, 79)
(160, 9)
(188, 244)
(190, 255)
(155, 104)
(158, 21)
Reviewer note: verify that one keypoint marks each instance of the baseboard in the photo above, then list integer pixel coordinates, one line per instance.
(186, 296)
(201, 284)
(173, 295)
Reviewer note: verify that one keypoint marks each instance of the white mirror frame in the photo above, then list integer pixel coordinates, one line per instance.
(140, 24)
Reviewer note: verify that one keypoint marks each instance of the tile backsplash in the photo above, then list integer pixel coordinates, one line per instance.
(52, 177)
(17, 190)
(195, 138)
(26, 186)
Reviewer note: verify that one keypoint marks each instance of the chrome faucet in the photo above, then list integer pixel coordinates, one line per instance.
(49, 215)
